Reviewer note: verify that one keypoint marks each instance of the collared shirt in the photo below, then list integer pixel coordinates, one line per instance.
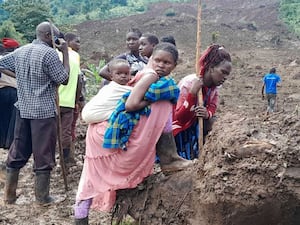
(38, 72)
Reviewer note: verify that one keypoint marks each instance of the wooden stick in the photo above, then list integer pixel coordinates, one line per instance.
(59, 130)
(200, 97)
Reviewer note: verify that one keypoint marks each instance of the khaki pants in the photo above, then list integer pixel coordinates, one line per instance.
(271, 102)
(66, 115)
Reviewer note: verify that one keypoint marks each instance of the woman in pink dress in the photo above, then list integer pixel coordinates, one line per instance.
(106, 170)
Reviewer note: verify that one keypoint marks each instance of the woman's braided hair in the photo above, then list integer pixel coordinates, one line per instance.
(211, 57)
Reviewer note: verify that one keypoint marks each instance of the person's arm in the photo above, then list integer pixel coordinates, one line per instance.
(54, 68)
(185, 107)
(63, 47)
(208, 111)
(7, 64)
(262, 91)
(105, 73)
(186, 104)
(136, 100)
(213, 104)
(8, 72)
(279, 82)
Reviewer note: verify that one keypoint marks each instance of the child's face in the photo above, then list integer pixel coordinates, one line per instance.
(132, 41)
(146, 48)
(120, 74)
(75, 44)
(220, 73)
(163, 62)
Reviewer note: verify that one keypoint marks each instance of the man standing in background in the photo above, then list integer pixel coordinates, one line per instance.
(270, 81)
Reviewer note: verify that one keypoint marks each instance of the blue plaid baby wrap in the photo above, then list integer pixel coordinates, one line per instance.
(121, 123)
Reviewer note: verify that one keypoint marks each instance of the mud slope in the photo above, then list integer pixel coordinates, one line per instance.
(248, 172)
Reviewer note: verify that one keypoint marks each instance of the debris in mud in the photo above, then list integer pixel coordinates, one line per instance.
(239, 179)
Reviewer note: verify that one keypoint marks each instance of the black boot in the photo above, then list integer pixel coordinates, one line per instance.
(83, 221)
(42, 187)
(12, 176)
(166, 149)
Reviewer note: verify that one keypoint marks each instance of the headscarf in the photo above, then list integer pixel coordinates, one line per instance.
(211, 57)
(10, 43)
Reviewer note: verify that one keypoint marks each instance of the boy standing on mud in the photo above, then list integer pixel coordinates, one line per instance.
(270, 81)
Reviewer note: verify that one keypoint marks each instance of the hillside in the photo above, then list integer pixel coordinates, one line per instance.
(240, 27)
(248, 172)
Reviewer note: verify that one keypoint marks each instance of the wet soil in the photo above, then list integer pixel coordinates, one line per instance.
(248, 171)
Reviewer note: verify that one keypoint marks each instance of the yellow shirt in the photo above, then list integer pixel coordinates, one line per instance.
(67, 93)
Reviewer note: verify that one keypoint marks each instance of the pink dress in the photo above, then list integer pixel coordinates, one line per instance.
(107, 170)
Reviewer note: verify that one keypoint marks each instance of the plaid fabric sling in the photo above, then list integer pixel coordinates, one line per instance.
(121, 123)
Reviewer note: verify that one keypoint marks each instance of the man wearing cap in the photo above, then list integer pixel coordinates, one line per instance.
(38, 71)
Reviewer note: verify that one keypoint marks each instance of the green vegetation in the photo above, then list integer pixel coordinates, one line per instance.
(24, 16)
(290, 14)
(93, 80)
(18, 18)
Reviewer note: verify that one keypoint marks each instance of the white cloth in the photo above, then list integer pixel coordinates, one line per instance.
(100, 107)
(7, 81)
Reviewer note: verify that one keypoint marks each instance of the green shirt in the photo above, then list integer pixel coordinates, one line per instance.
(67, 93)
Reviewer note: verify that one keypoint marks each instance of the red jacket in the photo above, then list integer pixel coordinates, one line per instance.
(183, 111)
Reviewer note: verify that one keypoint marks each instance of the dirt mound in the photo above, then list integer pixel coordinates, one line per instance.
(251, 173)
(247, 174)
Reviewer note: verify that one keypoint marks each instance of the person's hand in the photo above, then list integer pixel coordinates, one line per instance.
(62, 46)
(196, 86)
(201, 111)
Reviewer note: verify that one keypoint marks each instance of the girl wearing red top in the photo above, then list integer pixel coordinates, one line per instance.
(215, 66)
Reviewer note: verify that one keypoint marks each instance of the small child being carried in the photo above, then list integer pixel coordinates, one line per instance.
(100, 107)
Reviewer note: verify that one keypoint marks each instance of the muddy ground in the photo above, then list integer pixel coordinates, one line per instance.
(249, 171)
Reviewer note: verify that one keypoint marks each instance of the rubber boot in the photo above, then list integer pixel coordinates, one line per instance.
(170, 161)
(12, 176)
(83, 221)
(42, 187)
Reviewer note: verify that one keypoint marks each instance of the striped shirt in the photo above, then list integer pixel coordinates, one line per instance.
(38, 72)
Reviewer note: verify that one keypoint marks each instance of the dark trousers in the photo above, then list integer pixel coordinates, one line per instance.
(8, 97)
(66, 115)
(33, 136)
